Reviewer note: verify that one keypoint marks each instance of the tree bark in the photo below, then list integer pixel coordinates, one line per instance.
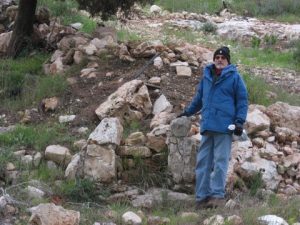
(23, 28)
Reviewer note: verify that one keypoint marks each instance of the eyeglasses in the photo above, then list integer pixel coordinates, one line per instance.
(220, 57)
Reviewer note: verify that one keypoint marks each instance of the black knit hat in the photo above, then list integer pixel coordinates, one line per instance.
(223, 51)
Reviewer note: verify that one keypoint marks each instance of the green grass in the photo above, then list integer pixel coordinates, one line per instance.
(36, 137)
(80, 190)
(131, 127)
(22, 82)
(264, 58)
(124, 35)
(68, 13)
(48, 175)
(258, 88)
(285, 10)
(197, 6)
(170, 34)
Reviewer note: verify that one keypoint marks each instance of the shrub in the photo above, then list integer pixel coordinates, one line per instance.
(255, 42)
(270, 40)
(80, 190)
(6, 155)
(296, 54)
(256, 88)
(209, 27)
(254, 183)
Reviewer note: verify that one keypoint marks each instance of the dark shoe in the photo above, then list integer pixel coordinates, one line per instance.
(202, 204)
(216, 202)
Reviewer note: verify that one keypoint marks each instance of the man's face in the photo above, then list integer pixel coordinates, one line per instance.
(220, 61)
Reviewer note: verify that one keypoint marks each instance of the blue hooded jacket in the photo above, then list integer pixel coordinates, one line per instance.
(222, 103)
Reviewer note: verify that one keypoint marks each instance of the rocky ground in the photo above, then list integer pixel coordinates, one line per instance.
(104, 65)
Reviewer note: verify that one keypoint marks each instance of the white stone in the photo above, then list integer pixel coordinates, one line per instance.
(131, 218)
(179, 63)
(58, 154)
(100, 163)
(50, 214)
(214, 220)
(257, 121)
(77, 25)
(109, 131)
(272, 220)
(183, 71)
(27, 160)
(158, 63)
(37, 159)
(34, 192)
(154, 80)
(133, 94)
(162, 105)
(73, 167)
(155, 9)
(66, 118)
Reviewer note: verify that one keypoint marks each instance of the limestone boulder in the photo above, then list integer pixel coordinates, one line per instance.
(284, 115)
(267, 168)
(100, 163)
(257, 120)
(50, 214)
(58, 154)
(162, 118)
(130, 101)
(156, 139)
(4, 42)
(109, 131)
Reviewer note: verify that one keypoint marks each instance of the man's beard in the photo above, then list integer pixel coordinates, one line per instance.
(219, 66)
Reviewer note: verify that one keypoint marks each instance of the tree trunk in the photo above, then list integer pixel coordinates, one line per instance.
(23, 28)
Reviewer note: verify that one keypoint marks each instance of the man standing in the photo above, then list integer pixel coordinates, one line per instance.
(222, 98)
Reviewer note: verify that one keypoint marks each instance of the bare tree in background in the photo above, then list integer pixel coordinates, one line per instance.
(23, 28)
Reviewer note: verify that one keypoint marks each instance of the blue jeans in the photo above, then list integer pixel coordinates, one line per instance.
(212, 164)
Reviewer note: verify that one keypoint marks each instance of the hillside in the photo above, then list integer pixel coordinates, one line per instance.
(91, 126)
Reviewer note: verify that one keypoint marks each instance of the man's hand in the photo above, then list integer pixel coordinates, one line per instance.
(238, 131)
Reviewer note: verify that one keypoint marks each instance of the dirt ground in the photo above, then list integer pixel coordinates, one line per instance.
(84, 94)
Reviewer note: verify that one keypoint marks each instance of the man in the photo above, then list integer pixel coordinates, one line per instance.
(222, 98)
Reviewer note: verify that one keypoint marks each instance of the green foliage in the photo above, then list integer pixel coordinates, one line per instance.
(266, 7)
(15, 73)
(255, 42)
(197, 6)
(6, 155)
(22, 83)
(36, 137)
(68, 14)
(107, 8)
(250, 214)
(209, 27)
(49, 86)
(48, 175)
(131, 127)
(254, 183)
(270, 40)
(146, 174)
(282, 9)
(261, 57)
(256, 88)
(80, 190)
(296, 53)
(170, 34)
(126, 35)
